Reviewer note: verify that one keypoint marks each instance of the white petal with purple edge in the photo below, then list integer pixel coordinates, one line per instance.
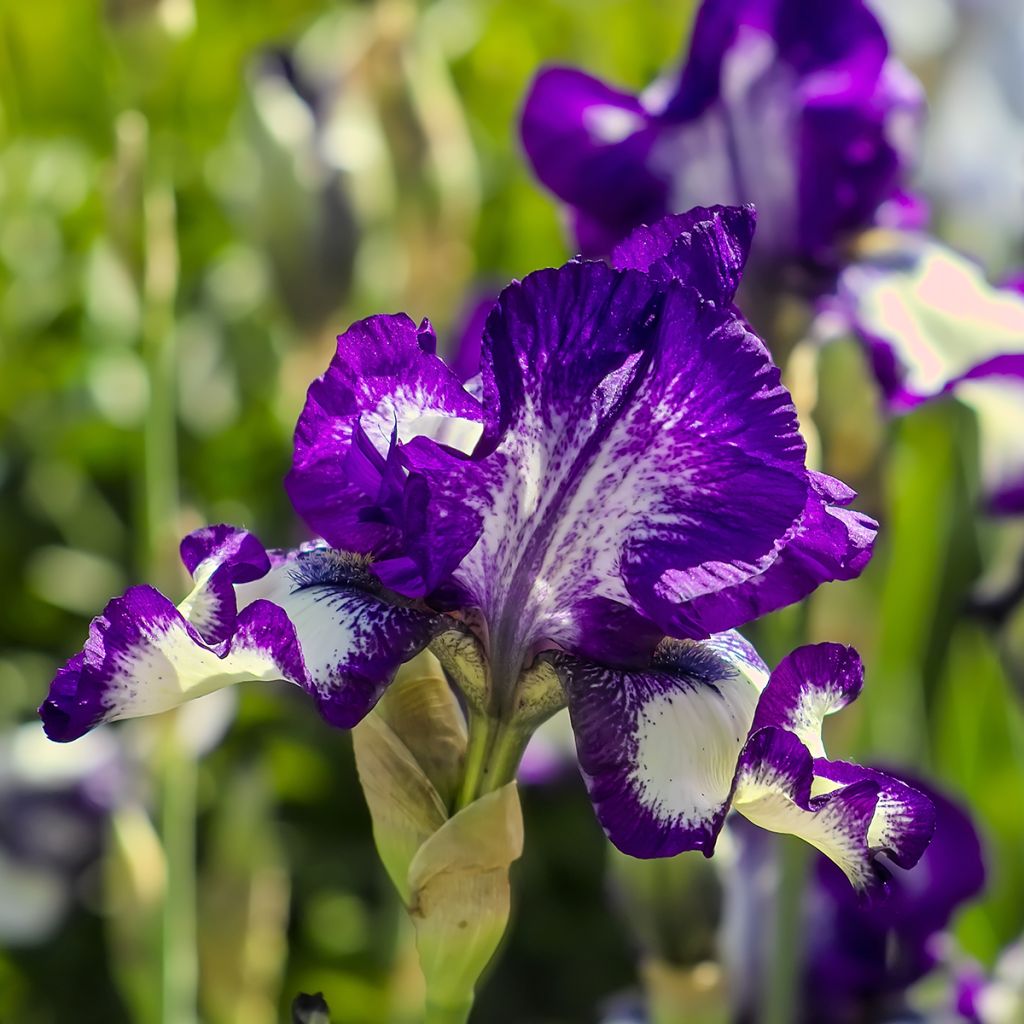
(773, 790)
(931, 311)
(809, 684)
(317, 618)
(784, 783)
(658, 747)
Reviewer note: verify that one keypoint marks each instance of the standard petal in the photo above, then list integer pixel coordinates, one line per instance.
(843, 44)
(645, 453)
(658, 747)
(385, 386)
(705, 248)
(315, 617)
(589, 144)
(827, 542)
(791, 106)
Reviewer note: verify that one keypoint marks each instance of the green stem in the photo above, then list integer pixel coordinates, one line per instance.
(180, 969)
(176, 768)
(447, 1014)
(781, 983)
(495, 749)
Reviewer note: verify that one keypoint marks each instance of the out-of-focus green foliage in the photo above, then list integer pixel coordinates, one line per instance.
(404, 188)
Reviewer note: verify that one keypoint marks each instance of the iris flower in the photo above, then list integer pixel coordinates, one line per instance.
(933, 326)
(792, 105)
(623, 478)
(862, 961)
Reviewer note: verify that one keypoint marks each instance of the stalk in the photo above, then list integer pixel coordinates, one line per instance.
(492, 758)
(176, 768)
(784, 970)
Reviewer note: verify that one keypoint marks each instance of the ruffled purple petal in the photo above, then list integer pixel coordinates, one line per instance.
(644, 452)
(787, 104)
(705, 248)
(314, 617)
(658, 747)
(774, 789)
(809, 684)
(666, 750)
(827, 542)
(349, 479)
(590, 145)
(219, 558)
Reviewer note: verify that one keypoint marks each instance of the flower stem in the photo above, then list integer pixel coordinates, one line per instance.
(180, 974)
(495, 749)
(176, 768)
(784, 970)
(447, 1014)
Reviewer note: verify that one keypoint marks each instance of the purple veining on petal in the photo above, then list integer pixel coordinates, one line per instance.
(827, 542)
(704, 248)
(658, 747)
(640, 448)
(317, 618)
(905, 822)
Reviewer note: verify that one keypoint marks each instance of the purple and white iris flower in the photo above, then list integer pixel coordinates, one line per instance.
(793, 105)
(54, 806)
(624, 477)
(863, 960)
(998, 997)
(934, 326)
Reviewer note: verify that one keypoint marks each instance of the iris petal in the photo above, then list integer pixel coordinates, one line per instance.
(774, 790)
(705, 248)
(667, 750)
(658, 747)
(349, 478)
(314, 617)
(787, 104)
(644, 451)
(785, 782)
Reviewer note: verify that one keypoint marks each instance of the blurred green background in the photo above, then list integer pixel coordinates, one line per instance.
(194, 199)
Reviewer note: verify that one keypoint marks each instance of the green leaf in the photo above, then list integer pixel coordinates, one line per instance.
(460, 894)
